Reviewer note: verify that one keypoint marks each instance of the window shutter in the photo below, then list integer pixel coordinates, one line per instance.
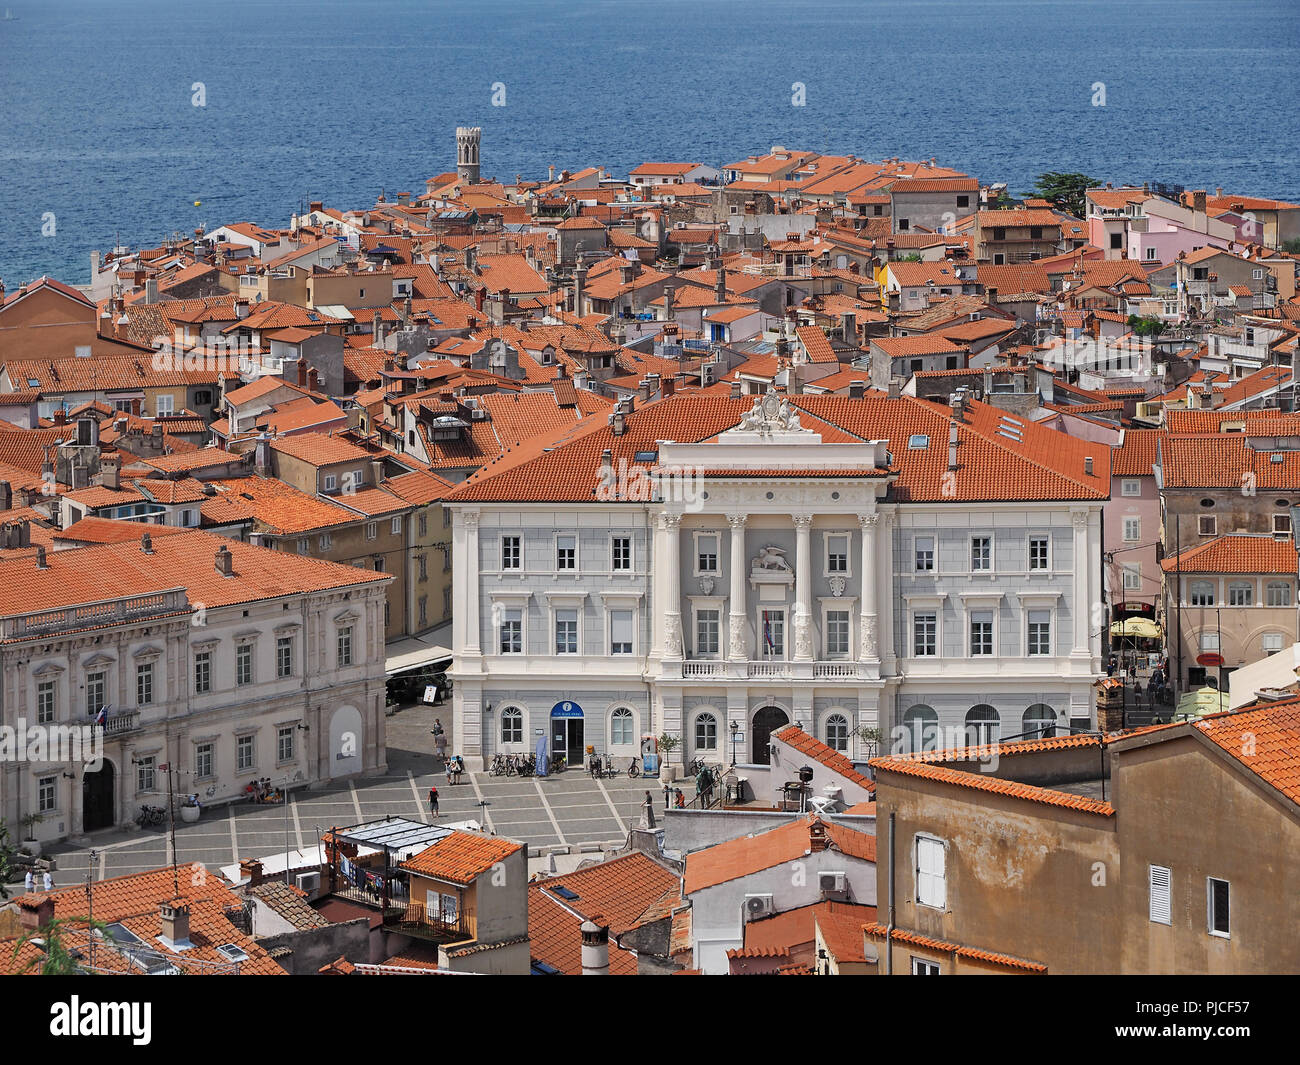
(929, 876)
(1161, 890)
(621, 623)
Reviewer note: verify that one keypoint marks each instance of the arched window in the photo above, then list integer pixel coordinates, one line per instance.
(922, 729)
(1241, 593)
(620, 726)
(837, 732)
(983, 725)
(1202, 593)
(1039, 721)
(1279, 593)
(706, 733)
(512, 725)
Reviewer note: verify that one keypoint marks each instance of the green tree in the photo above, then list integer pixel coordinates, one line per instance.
(1146, 327)
(9, 870)
(1064, 190)
(58, 959)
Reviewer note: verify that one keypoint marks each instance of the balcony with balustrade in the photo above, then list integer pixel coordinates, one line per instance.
(96, 614)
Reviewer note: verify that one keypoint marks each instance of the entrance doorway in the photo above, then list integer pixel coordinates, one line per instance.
(98, 809)
(568, 737)
(766, 721)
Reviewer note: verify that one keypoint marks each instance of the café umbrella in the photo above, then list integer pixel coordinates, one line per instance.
(1140, 627)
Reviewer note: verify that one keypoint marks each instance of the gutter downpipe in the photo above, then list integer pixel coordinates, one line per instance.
(889, 931)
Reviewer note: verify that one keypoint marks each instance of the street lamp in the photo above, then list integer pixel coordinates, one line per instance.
(735, 732)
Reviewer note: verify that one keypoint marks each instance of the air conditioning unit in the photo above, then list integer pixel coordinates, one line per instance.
(309, 883)
(832, 883)
(758, 906)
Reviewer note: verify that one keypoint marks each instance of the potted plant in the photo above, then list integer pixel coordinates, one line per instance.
(190, 809)
(667, 744)
(30, 843)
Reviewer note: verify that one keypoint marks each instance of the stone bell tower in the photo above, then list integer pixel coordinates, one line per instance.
(467, 144)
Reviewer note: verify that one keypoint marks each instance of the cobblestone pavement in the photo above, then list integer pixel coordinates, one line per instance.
(567, 810)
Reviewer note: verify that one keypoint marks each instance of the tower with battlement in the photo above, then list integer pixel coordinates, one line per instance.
(467, 145)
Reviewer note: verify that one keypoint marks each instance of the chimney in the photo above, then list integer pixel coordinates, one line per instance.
(895, 390)
(849, 327)
(618, 421)
(37, 913)
(40, 558)
(377, 471)
(952, 445)
(377, 329)
(817, 840)
(471, 259)
(857, 389)
(1087, 465)
(61, 416)
(110, 470)
(595, 949)
(241, 308)
(301, 365)
(251, 869)
(668, 302)
(6, 496)
(315, 205)
(313, 379)
(606, 464)
(135, 407)
(735, 389)
(669, 387)
(175, 922)
(720, 290)
(225, 561)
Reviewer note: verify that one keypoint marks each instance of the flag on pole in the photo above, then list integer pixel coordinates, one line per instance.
(101, 718)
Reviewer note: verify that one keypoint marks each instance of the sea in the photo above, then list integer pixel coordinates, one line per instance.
(123, 122)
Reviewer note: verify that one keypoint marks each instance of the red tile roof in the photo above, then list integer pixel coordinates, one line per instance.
(906, 766)
(1236, 554)
(1007, 961)
(813, 748)
(1136, 454)
(747, 855)
(1270, 733)
(462, 856)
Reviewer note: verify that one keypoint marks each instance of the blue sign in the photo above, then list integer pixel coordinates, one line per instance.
(566, 710)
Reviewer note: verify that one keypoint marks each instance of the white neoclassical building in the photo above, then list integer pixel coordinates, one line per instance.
(224, 661)
(715, 568)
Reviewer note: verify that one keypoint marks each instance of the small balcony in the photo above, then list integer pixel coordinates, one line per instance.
(781, 669)
(412, 920)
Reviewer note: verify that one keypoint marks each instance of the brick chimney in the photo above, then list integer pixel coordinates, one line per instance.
(252, 869)
(146, 544)
(817, 840)
(6, 496)
(110, 471)
(225, 561)
(35, 911)
(175, 922)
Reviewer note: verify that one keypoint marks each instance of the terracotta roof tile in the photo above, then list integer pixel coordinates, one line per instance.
(1236, 554)
(736, 858)
(820, 752)
(879, 932)
(462, 856)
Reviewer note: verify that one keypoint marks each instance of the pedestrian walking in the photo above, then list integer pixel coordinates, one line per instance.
(48, 880)
(433, 800)
(29, 882)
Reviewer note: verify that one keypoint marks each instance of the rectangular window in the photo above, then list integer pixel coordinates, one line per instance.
(925, 554)
(773, 635)
(981, 632)
(45, 701)
(1132, 530)
(1132, 576)
(144, 684)
(981, 554)
(837, 634)
(1281, 524)
(284, 656)
(423, 560)
(931, 888)
(510, 552)
(1159, 907)
(422, 524)
(621, 553)
(396, 527)
(1039, 547)
(243, 753)
(1207, 525)
(284, 744)
(1040, 632)
(202, 672)
(204, 764)
(922, 967)
(566, 552)
(1209, 641)
(512, 632)
(706, 632)
(331, 482)
(95, 688)
(345, 646)
(925, 640)
(706, 553)
(1130, 486)
(620, 632)
(1216, 901)
(243, 664)
(837, 554)
(326, 541)
(146, 778)
(304, 545)
(566, 632)
(372, 530)
(47, 794)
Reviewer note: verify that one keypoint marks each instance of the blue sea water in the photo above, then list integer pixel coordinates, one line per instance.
(337, 100)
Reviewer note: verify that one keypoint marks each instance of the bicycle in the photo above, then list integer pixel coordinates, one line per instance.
(150, 815)
(633, 770)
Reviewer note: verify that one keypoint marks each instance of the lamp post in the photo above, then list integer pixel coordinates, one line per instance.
(735, 732)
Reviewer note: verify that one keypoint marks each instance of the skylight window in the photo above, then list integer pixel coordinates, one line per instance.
(646, 456)
(565, 893)
(918, 442)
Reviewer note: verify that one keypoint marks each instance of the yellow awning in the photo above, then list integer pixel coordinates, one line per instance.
(1136, 627)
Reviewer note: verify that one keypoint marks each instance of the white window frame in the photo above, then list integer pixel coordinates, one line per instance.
(1273, 586)
(331, 482)
(1270, 637)
(618, 713)
(993, 631)
(1209, 641)
(1051, 631)
(577, 561)
(982, 569)
(519, 553)
(1192, 587)
(513, 712)
(1135, 524)
(696, 537)
(555, 632)
(613, 553)
(372, 530)
(1029, 549)
(928, 612)
(837, 608)
(763, 653)
(925, 967)
(506, 610)
(1207, 525)
(847, 537)
(931, 886)
(1130, 486)
(697, 609)
(1241, 587)
(248, 741)
(609, 626)
(696, 718)
(396, 527)
(916, 554)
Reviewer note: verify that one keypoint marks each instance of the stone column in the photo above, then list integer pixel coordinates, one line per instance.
(1081, 608)
(737, 650)
(869, 643)
(470, 584)
(883, 568)
(671, 524)
(803, 650)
